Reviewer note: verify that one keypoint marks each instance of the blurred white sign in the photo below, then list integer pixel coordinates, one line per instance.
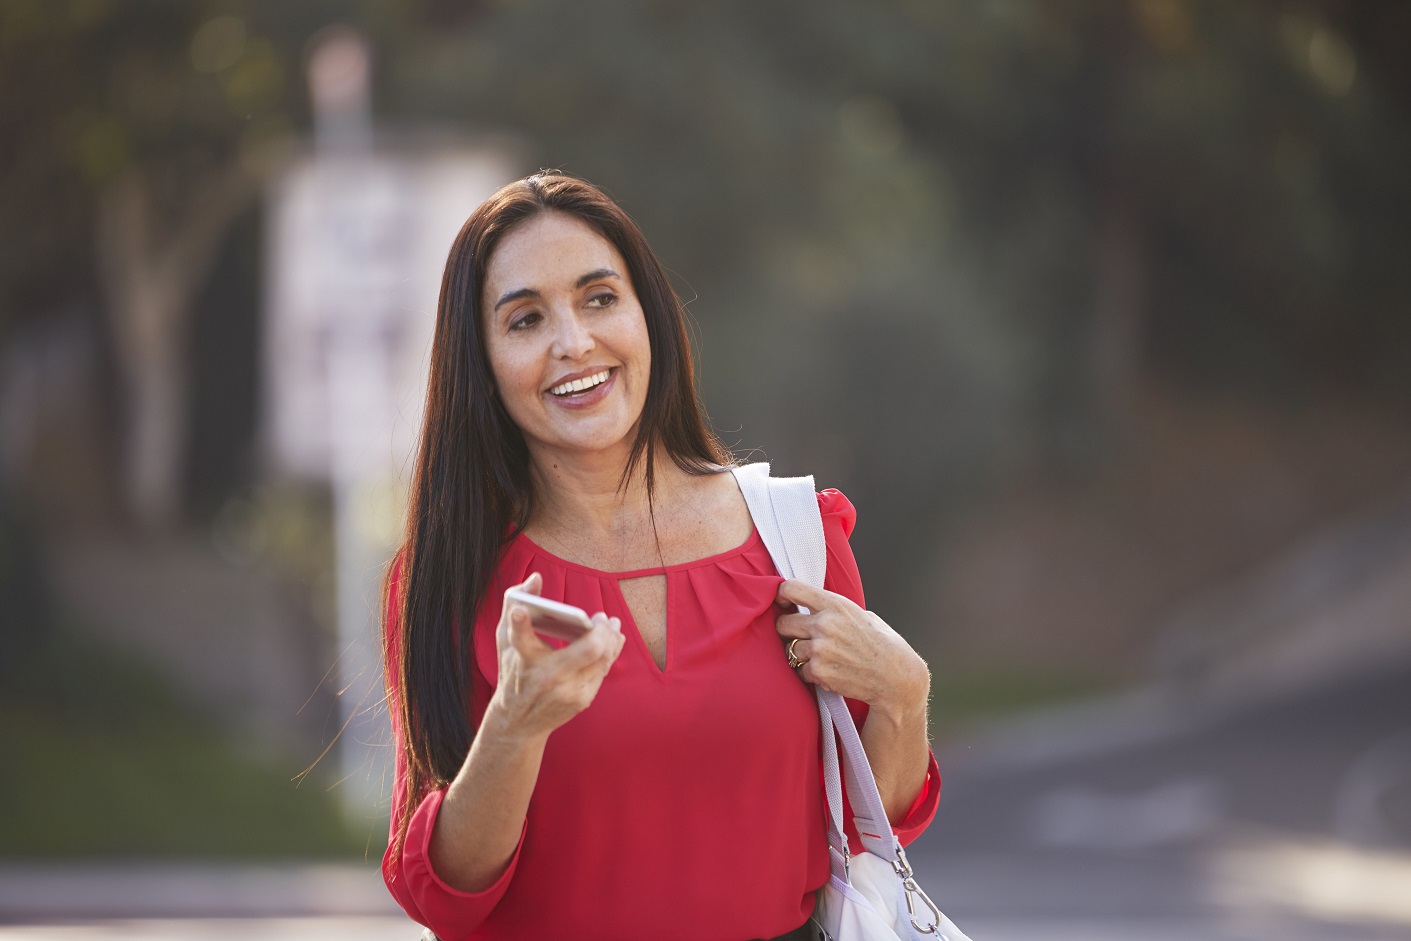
(358, 242)
(356, 250)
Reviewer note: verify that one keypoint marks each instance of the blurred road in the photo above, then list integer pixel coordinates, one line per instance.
(198, 901)
(365, 928)
(1153, 817)
(1140, 818)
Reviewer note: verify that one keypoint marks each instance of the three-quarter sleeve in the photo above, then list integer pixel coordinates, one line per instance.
(426, 898)
(451, 913)
(839, 519)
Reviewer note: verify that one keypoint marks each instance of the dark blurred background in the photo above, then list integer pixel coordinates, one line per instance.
(1098, 310)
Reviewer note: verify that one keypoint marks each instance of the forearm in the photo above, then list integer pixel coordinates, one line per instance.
(898, 749)
(482, 814)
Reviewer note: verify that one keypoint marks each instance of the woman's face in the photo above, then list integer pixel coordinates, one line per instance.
(566, 336)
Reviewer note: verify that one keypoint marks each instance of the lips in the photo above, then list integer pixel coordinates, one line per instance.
(579, 384)
(593, 386)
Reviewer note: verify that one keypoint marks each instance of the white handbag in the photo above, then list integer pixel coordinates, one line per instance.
(872, 896)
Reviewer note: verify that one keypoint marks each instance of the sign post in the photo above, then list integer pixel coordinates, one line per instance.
(358, 238)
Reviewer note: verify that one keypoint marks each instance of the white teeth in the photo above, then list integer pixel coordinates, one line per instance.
(578, 385)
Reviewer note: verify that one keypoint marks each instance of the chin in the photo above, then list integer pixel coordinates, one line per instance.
(591, 441)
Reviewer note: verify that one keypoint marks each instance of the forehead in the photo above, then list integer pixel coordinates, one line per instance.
(548, 252)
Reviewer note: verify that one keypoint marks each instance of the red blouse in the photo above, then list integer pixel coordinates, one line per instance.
(685, 802)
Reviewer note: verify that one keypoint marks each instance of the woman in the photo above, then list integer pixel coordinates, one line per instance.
(658, 777)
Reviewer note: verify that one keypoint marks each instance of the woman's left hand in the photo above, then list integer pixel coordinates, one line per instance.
(852, 651)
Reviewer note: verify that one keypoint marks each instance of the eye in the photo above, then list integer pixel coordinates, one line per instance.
(526, 321)
(605, 299)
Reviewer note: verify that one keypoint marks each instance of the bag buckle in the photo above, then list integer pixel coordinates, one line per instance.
(908, 881)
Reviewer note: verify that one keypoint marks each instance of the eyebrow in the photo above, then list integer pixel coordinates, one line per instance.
(584, 279)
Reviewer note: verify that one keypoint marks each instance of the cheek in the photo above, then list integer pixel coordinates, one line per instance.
(514, 373)
(640, 342)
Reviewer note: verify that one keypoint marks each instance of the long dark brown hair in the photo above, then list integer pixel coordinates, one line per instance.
(472, 489)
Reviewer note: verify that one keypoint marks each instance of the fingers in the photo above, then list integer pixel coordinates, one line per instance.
(820, 665)
(612, 624)
(818, 677)
(802, 649)
(534, 584)
(598, 647)
(796, 625)
(794, 591)
(521, 634)
(611, 628)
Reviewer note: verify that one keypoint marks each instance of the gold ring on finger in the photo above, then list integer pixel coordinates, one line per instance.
(794, 660)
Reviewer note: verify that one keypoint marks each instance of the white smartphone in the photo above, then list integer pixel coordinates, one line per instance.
(552, 618)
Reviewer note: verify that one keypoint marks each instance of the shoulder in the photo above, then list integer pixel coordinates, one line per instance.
(837, 509)
(839, 518)
(718, 509)
(711, 496)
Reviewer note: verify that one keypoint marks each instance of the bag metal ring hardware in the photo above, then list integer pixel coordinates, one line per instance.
(903, 867)
(934, 927)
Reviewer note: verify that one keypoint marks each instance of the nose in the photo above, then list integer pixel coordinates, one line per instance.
(571, 337)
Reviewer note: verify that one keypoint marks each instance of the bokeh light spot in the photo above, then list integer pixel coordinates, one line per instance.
(218, 44)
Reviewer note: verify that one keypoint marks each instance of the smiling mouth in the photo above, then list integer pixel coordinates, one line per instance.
(579, 386)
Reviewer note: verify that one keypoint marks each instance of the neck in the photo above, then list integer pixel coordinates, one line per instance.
(584, 493)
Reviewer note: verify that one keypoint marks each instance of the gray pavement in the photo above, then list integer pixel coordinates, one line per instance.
(137, 901)
(138, 890)
(330, 927)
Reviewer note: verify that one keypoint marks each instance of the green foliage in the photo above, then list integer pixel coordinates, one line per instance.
(93, 89)
(894, 213)
(103, 758)
(916, 200)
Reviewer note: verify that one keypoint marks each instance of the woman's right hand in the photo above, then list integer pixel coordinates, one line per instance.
(539, 687)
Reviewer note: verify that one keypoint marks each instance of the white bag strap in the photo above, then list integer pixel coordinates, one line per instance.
(785, 511)
(759, 489)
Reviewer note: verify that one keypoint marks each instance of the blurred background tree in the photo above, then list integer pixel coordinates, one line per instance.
(942, 250)
(1088, 305)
